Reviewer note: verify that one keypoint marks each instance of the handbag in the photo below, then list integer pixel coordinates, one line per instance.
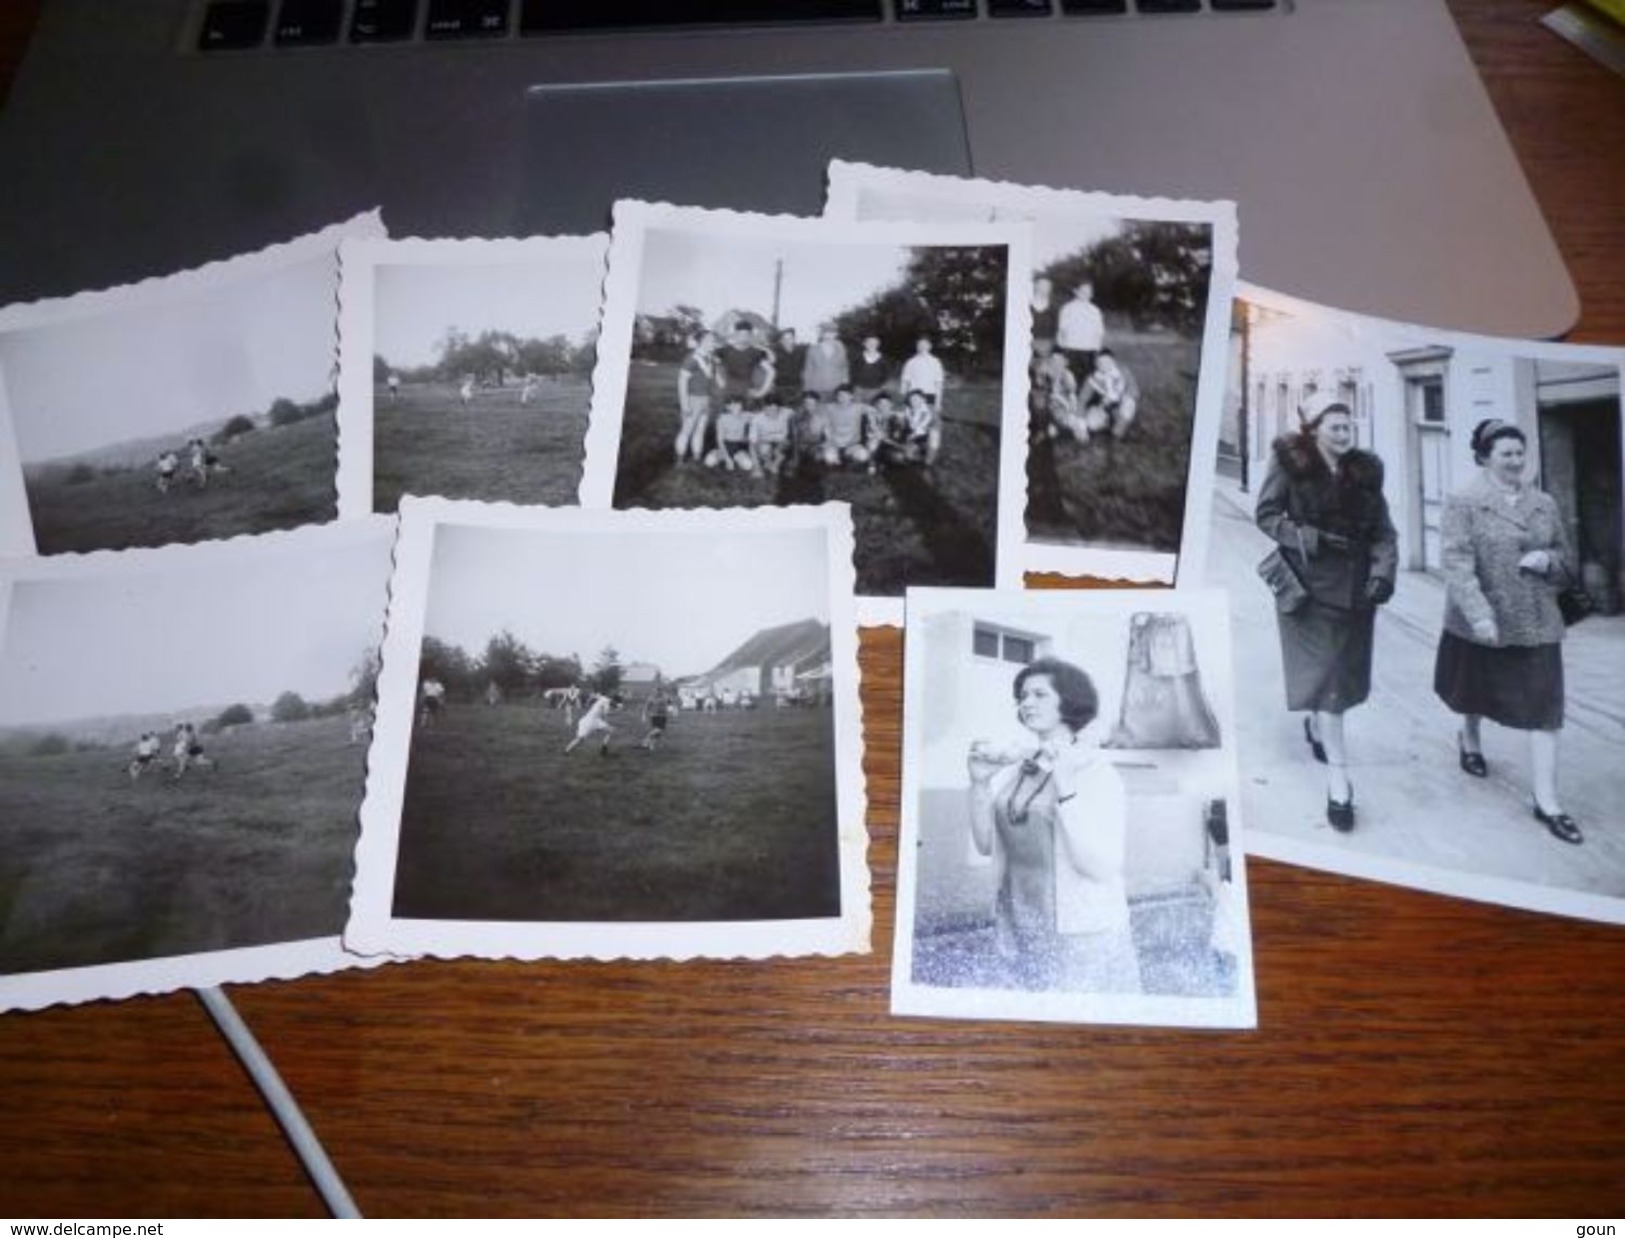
(1575, 603)
(1282, 578)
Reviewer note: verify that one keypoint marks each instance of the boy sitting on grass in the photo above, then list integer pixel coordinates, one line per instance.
(1111, 397)
(732, 451)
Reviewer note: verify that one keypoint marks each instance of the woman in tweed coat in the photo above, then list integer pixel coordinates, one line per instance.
(1322, 503)
(1505, 556)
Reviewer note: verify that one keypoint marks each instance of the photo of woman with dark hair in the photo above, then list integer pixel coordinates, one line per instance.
(1505, 557)
(1072, 857)
(1322, 503)
(1054, 818)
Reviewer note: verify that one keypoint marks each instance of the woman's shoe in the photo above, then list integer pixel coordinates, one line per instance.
(1315, 746)
(1471, 762)
(1341, 816)
(1560, 825)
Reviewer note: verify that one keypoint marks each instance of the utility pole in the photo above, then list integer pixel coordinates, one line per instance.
(778, 288)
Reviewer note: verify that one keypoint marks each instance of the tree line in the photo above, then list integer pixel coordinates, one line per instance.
(1154, 272)
(289, 706)
(954, 294)
(515, 668)
(495, 358)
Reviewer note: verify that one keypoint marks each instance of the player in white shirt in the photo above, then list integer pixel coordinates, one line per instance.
(146, 752)
(1080, 331)
(593, 722)
(923, 372)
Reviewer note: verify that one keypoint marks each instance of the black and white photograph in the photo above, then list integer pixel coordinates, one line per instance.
(1071, 845)
(195, 407)
(756, 361)
(616, 734)
(183, 739)
(466, 368)
(1421, 535)
(1129, 298)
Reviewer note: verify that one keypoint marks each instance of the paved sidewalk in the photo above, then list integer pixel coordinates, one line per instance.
(1414, 803)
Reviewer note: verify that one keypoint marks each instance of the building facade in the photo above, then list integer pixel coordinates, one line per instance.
(1415, 405)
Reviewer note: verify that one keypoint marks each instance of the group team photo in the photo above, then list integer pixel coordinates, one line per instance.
(809, 365)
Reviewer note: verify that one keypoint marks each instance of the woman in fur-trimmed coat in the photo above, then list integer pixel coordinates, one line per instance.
(1322, 502)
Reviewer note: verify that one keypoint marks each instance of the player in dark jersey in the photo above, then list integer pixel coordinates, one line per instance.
(744, 368)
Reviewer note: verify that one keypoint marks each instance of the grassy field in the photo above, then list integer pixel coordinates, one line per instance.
(1127, 494)
(732, 819)
(426, 442)
(910, 528)
(281, 477)
(95, 869)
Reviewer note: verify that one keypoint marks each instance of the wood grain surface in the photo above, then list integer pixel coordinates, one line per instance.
(1416, 1054)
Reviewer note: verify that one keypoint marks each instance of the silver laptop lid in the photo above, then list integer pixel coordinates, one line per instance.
(1369, 167)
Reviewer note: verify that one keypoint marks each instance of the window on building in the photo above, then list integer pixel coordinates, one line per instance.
(1430, 400)
(1001, 646)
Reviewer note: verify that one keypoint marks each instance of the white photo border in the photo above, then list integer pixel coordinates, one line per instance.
(1206, 606)
(359, 260)
(238, 965)
(1329, 856)
(633, 219)
(16, 524)
(373, 926)
(847, 180)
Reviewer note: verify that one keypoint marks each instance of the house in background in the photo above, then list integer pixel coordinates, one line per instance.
(639, 680)
(780, 662)
(1416, 406)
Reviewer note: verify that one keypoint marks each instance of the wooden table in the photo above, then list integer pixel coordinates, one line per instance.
(1416, 1054)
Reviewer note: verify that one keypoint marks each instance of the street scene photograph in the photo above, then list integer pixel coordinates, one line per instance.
(1127, 300)
(753, 362)
(466, 368)
(185, 409)
(1421, 536)
(606, 722)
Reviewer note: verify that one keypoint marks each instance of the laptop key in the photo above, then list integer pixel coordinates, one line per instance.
(1169, 6)
(1018, 8)
(466, 19)
(934, 10)
(1240, 6)
(555, 16)
(1093, 8)
(381, 21)
(234, 23)
(303, 23)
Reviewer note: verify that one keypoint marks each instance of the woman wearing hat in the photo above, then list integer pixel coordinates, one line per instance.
(1322, 503)
(1505, 556)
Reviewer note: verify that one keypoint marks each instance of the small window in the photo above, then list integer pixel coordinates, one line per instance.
(1432, 393)
(1003, 646)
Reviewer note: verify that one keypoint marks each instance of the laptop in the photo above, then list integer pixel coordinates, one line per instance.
(1370, 170)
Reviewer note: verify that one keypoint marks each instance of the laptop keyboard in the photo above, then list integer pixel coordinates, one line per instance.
(236, 25)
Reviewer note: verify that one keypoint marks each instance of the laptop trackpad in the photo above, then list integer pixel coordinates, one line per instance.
(753, 144)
